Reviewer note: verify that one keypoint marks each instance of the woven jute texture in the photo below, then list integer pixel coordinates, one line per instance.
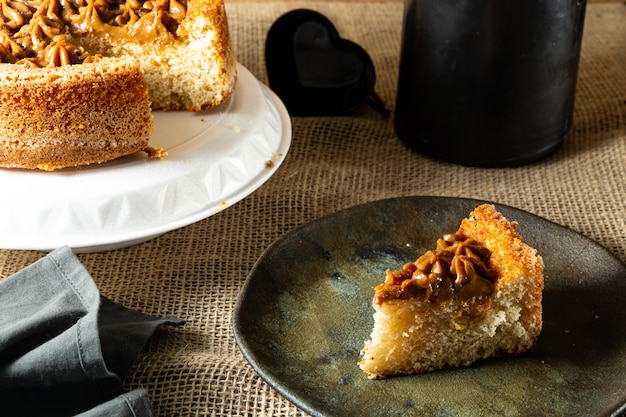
(197, 272)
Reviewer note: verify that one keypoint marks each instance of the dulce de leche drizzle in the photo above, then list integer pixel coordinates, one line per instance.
(45, 33)
(457, 268)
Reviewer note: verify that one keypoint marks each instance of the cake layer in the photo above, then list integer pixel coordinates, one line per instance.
(183, 46)
(73, 115)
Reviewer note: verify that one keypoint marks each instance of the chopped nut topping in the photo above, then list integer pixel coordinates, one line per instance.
(457, 268)
(44, 33)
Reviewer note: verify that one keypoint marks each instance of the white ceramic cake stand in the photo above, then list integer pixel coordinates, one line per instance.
(215, 159)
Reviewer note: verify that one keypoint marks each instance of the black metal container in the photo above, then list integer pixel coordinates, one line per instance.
(488, 82)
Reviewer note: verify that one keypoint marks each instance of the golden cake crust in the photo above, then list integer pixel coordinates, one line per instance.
(509, 254)
(71, 116)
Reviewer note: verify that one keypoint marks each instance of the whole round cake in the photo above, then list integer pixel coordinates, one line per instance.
(79, 78)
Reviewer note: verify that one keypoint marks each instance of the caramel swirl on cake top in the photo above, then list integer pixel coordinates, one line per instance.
(457, 268)
(44, 33)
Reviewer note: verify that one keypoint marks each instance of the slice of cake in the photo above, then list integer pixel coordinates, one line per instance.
(477, 295)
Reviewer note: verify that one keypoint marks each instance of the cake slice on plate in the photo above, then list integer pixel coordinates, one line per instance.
(477, 295)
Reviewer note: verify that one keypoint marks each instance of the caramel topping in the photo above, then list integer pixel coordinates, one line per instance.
(47, 32)
(457, 268)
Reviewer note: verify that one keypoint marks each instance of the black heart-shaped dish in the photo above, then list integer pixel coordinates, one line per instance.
(313, 70)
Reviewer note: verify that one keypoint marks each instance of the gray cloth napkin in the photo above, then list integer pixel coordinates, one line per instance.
(64, 348)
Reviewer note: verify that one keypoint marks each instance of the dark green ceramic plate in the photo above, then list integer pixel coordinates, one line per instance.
(305, 311)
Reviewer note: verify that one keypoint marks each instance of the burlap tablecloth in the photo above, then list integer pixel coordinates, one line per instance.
(197, 272)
